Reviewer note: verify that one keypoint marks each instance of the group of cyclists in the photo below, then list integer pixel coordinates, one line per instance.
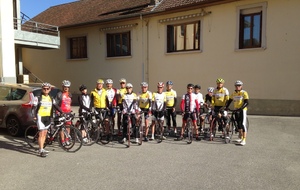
(161, 105)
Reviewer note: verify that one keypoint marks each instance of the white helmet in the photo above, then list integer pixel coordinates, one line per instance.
(66, 83)
(210, 89)
(109, 81)
(46, 84)
(238, 83)
(129, 85)
(144, 84)
(122, 80)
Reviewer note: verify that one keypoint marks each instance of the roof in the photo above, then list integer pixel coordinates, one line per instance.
(94, 11)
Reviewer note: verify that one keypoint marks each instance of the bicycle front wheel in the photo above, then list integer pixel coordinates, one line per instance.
(32, 136)
(92, 133)
(189, 127)
(73, 139)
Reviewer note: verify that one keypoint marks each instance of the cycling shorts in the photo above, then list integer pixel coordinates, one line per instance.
(43, 122)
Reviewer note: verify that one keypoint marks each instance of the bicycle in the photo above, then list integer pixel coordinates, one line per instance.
(217, 118)
(104, 124)
(205, 128)
(232, 126)
(89, 126)
(140, 127)
(159, 127)
(54, 134)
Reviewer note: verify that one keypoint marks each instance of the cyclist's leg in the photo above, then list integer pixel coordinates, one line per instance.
(146, 118)
(43, 124)
(134, 127)
(168, 117)
(125, 123)
(244, 125)
(194, 120)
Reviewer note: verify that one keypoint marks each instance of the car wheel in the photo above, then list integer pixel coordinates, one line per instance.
(13, 126)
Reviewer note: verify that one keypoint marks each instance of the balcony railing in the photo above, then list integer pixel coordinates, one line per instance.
(36, 27)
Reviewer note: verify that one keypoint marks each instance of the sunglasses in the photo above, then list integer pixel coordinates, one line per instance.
(46, 88)
(128, 88)
(122, 82)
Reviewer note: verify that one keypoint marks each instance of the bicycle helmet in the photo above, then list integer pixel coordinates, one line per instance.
(160, 84)
(109, 81)
(144, 84)
(169, 82)
(190, 85)
(197, 86)
(122, 80)
(129, 85)
(100, 81)
(66, 83)
(238, 83)
(82, 87)
(46, 84)
(210, 89)
(220, 80)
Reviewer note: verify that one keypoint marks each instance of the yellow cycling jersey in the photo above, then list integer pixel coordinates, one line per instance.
(238, 98)
(220, 96)
(99, 98)
(120, 93)
(144, 99)
(170, 95)
(45, 106)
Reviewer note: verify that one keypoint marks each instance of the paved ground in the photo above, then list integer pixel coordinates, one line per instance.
(270, 160)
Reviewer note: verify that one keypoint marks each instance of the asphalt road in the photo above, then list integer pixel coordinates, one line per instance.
(269, 160)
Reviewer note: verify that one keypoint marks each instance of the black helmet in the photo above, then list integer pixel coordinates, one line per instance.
(190, 85)
(197, 86)
(82, 87)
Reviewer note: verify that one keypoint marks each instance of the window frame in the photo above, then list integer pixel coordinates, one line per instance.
(110, 44)
(195, 37)
(82, 50)
(251, 10)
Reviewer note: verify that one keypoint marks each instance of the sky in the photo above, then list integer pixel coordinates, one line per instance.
(33, 7)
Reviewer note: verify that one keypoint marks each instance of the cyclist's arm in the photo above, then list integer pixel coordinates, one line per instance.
(182, 105)
(245, 104)
(197, 106)
(228, 103)
(175, 102)
(92, 100)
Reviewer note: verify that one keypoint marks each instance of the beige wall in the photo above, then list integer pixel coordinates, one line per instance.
(268, 74)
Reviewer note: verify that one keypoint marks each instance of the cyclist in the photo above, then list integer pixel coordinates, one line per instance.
(171, 97)
(64, 101)
(85, 106)
(120, 93)
(200, 100)
(219, 98)
(98, 97)
(240, 100)
(208, 97)
(144, 102)
(129, 103)
(111, 99)
(189, 104)
(158, 107)
(44, 112)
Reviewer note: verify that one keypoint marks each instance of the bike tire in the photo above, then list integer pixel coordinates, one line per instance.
(75, 139)
(31, 136)
(189, 128)
(158, 132)
(103, 135)
(128, 132)
(212, 129)
(92, 132)
(141, 134)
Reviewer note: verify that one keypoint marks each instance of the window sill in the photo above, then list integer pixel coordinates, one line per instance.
(251, 49)
(183, 52)
(79, 59)
(119, 57)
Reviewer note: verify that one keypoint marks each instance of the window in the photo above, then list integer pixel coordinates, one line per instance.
(252, 27)
(78, 47)
(118, 44)
(183, 37)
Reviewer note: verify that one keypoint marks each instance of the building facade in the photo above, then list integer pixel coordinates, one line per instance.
(255, 41)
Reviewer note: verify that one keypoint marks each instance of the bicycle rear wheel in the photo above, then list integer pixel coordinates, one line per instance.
(31, 136)
(74, 139)
(128, 132)
(92, 133)
(140, 129)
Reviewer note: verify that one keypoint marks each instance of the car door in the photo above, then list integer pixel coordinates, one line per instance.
(4, 101)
